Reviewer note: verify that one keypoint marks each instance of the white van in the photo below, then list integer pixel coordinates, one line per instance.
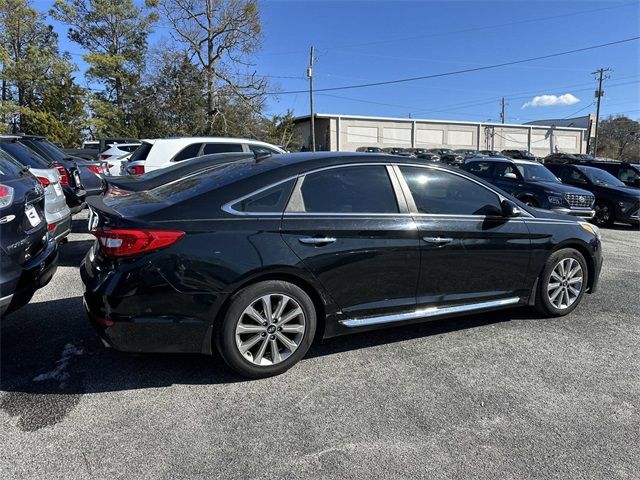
(163, 152)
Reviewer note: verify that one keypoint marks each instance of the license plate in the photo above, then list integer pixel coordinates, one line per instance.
(93, 220)
(32, 215)
(57, 188)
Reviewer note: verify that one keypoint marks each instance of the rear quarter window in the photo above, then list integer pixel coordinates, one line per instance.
(271, 200)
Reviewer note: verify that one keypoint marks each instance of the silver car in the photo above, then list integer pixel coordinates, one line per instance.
(56, 211)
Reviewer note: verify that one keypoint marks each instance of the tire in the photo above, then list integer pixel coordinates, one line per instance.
(605, 214)
(551, 303)
(258, 351)
(530, 202)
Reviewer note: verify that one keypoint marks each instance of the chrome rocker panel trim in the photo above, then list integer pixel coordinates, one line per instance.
(429, 312)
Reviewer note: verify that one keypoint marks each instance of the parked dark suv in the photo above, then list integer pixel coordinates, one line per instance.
(369, 149)
(256, 258)
(425, 154)
(28, 259)
(627, 173)
(615, 202)
(403, 152)
(448, 156)
(520, 155)
(533, 184)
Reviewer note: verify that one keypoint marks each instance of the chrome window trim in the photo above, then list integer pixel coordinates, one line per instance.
(428, 312)
(394, 166)
(227, 207)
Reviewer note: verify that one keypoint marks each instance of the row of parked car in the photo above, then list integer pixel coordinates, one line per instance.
(235, 245)
(602, 191)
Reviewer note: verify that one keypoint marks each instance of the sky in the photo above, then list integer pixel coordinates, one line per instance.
(360, 42)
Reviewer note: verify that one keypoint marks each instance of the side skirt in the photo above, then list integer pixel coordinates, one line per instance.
(429, 313)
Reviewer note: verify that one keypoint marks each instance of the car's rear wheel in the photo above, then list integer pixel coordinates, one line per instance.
(562, 283)
(604, 215)
(268, 327)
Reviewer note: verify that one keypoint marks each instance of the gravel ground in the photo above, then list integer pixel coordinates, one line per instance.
(503, 395)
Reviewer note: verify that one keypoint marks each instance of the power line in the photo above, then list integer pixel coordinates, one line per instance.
(457, 72)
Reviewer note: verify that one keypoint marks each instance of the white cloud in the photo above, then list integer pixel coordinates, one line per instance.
(552, 100)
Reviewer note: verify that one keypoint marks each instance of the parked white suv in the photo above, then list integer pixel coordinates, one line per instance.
(160, 153)
(116, 154)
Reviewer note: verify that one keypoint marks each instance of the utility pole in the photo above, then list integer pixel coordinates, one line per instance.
(313, 123)
(502, 110)
(599, 93)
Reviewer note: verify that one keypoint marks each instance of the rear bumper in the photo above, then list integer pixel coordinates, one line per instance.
(24, 281)
(62, 229)
(157, 318)
(148, 334)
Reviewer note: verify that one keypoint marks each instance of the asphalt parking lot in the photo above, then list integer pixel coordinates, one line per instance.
(502, 395)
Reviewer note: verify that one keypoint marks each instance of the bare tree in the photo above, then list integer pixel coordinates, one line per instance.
(221, 35)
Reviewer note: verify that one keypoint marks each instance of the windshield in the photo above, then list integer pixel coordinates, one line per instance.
(600, 177)
(537, 173)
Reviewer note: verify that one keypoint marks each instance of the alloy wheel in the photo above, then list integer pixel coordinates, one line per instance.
(565, 283)
(270, 329)
(602, 214)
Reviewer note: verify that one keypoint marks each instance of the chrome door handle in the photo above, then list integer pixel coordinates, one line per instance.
(316, 240)
(438, 240)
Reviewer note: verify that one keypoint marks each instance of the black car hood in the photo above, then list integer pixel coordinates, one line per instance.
(623, 191)
(563, 188)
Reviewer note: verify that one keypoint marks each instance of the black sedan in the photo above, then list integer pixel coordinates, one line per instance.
(257, 258)
(615, 202)
(123, 185)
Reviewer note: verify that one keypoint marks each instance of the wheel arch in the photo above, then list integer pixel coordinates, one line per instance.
(320, 301)
(586, 254)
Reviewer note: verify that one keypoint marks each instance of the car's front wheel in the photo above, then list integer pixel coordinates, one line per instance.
(268, 327)
(604, 214)
(562, 283)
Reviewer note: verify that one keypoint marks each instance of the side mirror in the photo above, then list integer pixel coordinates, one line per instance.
(510, 176)
(636, 183)
(509, 209)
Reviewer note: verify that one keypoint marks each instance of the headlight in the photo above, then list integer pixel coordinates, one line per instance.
(591, 229)
(555, 200)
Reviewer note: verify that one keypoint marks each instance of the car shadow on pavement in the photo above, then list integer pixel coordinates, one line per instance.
(72, 253)
(50, 348)
(79, 224)
(50, 356)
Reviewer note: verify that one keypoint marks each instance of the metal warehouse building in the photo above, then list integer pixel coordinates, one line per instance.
(348, 132)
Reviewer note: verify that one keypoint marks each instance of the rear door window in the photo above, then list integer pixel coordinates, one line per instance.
(210, 148)
(357, 189)
(443, 193)
(190, 151)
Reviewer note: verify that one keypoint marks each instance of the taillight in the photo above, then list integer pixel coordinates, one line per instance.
(136, 169)
(6, 195)
(96, 169)
(51, 227)
(118, 242)
(44, 181)
(103, 156)
(64, 179)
